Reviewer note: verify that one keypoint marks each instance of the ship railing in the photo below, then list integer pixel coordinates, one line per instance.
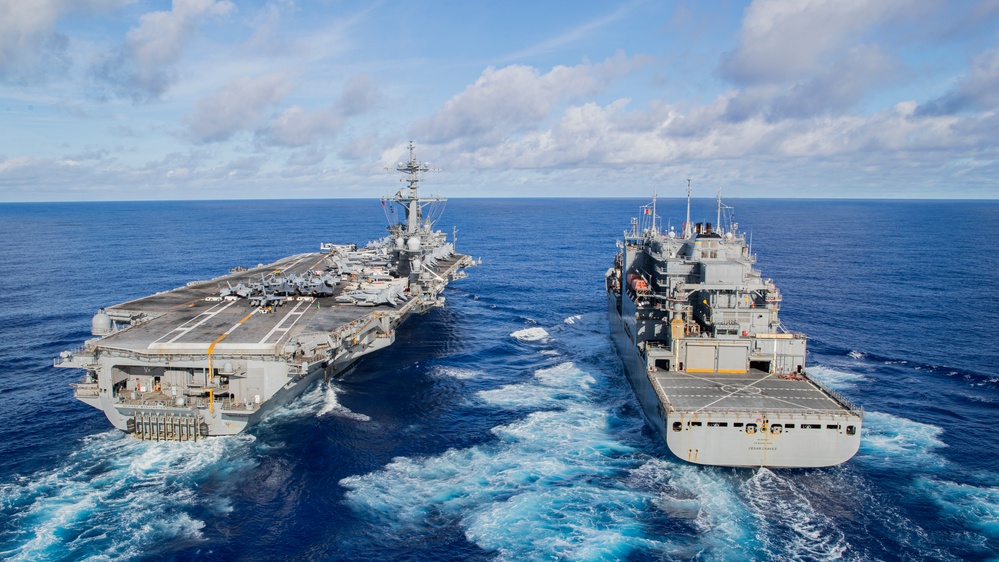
(774, 411)
(843, 401)
(836, 396)
(231, 404)
(163, 357)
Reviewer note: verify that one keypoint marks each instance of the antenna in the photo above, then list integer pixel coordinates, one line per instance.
(718, 223)
(411, 200)
(686, 229)
(654, 197)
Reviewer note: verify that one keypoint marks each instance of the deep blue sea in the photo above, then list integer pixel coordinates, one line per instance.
(501, 427)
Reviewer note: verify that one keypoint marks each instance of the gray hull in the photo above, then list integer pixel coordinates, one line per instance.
(702, 439)
(717, 375)
(214, 357)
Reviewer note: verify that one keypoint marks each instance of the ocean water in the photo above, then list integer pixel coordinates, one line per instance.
(501, 426)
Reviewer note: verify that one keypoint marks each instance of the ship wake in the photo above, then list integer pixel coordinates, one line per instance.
(120, 496)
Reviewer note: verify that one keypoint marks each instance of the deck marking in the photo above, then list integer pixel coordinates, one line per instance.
(278, 328)
(211, 348)
(730, 394)
(184, 329)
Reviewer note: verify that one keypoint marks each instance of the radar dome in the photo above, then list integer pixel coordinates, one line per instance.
(101, 324)
(414, 244)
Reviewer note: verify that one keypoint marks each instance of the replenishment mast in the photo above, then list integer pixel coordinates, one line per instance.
(717, 375)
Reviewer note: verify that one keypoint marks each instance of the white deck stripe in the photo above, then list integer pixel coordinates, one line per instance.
(278, 327)
(184, 329)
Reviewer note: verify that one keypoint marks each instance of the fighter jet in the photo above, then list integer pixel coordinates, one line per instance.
(319, 286)
(267, 300)
(240, 290)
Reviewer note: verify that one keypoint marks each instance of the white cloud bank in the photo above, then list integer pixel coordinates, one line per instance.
(830, 97)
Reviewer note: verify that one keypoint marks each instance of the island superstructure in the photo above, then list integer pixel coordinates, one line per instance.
(718, 377)
(212, 357)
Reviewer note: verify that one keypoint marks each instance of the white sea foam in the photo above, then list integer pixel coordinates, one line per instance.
(573, 319)
(459, 373)
(320, 400)
(838, 380)
(546, 488)
(117, 496)
(704, 497)
(518, 396)
(331, 405)
(555, 384)
(308, 404)
(787, 525)
(565, 375)
(973, 506)
(898, 442)
(530, 334)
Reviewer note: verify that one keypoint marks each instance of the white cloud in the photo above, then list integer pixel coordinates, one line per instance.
(802, 59)
(832, 91)
(977, 90)
(297, 126)
(839, 86)
(240, 105)
(144, 67)
(30, 46)
(591, 136)
(788, 39)
(510, 99)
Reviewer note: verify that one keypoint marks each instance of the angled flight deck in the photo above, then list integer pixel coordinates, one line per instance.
(212, 357)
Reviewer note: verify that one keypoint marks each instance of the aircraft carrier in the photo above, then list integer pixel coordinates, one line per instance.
(212, 357)
(718, 377)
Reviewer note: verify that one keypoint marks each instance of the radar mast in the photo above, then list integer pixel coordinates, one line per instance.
(409, 196)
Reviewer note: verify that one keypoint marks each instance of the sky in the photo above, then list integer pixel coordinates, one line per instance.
(218, 99)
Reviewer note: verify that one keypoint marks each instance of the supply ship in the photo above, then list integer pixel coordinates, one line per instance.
(717, 375)
(212, 357)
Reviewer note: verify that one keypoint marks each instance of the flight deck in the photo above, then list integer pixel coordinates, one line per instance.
(211, 357)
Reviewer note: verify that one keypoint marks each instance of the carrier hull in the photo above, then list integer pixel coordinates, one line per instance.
(214, 357)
